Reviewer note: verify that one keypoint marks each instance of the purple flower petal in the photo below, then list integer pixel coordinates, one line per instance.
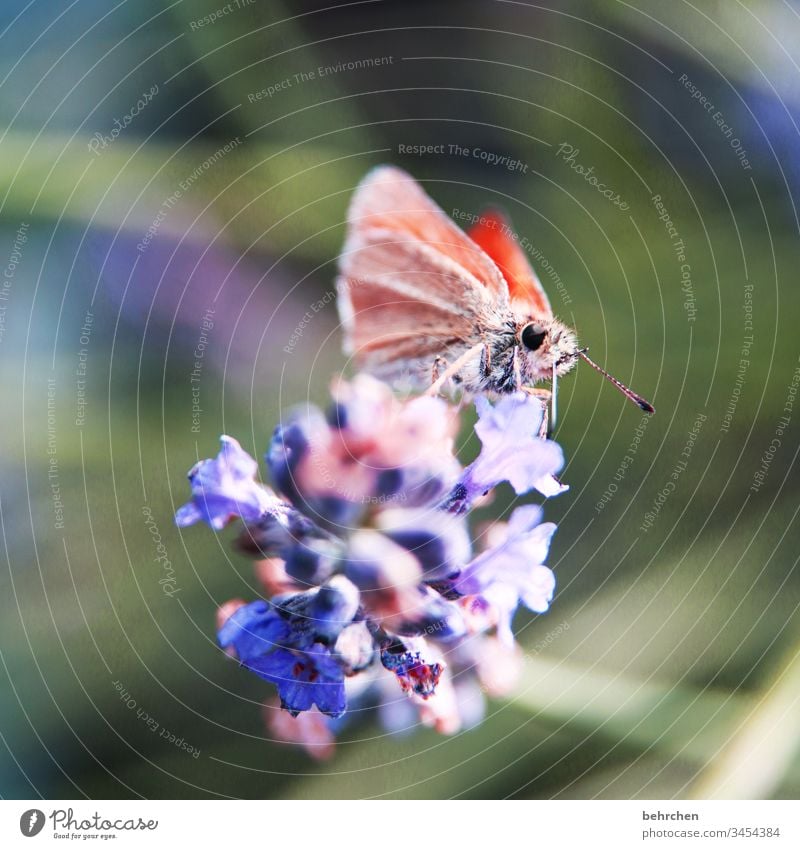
(513, 571)
(511, 451)
(288, 644)
(225, 488)
(253, 630)
(304, 679)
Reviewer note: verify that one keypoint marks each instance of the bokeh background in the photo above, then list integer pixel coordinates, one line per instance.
(155, 168)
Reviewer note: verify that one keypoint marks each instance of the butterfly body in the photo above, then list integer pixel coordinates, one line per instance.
(418, 297)
(507, 364)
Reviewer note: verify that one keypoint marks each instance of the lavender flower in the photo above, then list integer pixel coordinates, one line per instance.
(373, 594)
(292, 644)
(511, 451)
(513, 570)
(225, 488)
(370, 449)
(392, 591)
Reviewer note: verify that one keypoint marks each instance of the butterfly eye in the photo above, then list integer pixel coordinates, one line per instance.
(532, 337)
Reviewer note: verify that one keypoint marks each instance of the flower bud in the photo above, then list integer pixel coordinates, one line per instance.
(333, 607)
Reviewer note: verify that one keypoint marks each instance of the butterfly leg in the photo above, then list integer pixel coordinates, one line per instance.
(486, 360)
(545, 396)
(453, 369)
(437, 364)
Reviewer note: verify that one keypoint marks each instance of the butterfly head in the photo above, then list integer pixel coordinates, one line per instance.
(545, 344)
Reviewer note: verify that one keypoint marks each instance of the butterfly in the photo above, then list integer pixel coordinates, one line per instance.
(420, 299)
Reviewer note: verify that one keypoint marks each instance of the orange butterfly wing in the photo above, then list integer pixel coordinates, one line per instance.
(412, 285)
(494, 234)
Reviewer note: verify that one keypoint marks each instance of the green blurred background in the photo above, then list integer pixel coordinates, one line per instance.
(668, 665)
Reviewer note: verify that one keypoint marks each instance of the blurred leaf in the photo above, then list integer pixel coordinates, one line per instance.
(681, 721)
(762, 744)
(254, 194)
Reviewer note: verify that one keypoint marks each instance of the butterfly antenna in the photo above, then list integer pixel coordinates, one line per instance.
(628, 393)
